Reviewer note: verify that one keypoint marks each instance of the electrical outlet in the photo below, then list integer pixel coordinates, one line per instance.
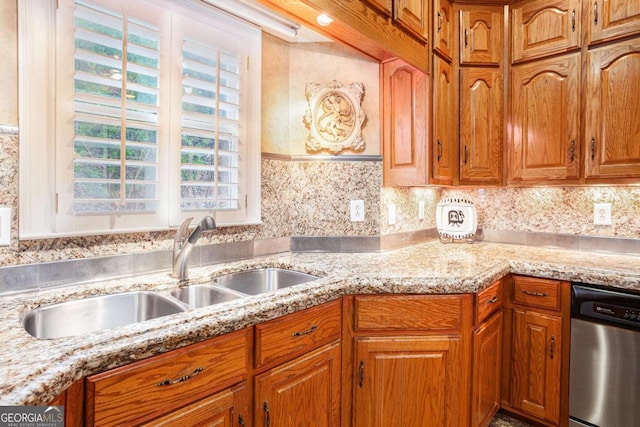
(421, 210)
(391, 217)
(357, 210)
(5, 226)
(602, 213)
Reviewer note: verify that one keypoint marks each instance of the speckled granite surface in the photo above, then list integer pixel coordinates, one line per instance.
(34, 371)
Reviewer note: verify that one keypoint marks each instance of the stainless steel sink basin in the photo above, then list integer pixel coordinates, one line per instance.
(197, 296)
(97, 313)
(262, 280)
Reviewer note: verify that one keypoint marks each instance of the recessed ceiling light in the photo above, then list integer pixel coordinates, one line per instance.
(324, 20)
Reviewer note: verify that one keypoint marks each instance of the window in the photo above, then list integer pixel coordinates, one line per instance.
(156, 116)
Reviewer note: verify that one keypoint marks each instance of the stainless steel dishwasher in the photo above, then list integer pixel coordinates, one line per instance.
(604, 386)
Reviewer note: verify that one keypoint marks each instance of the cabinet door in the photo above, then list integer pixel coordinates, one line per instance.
(405, 97)
(609, 19)
(545, 120)
(537, 342)
(443, 28)
(417, 381)
(413, 16)
(544, 27)
(305, 391)
(481, 130)
(485, 380)
(228, 408)
(481, 35)
(613, 116)
(443, 122)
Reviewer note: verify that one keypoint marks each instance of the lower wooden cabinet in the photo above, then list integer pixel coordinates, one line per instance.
(409, 380)
(228, 408)
(409, 362)
(485, 379)
(536, 350)
(304, 391)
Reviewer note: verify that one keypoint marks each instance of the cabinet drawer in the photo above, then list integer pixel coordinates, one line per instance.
(488, 301)
(156, 386)
(408, 312)
(289, 336)
(536, 292)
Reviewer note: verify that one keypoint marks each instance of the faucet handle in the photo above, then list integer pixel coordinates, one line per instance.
(181, 234)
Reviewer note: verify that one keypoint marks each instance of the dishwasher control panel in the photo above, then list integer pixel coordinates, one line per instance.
(612, 306)
(616, 312)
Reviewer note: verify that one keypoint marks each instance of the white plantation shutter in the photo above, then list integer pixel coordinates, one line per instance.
(157, 117)
(116, 103)
(210, 127)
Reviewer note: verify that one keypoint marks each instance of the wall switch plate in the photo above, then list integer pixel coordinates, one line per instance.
(391, 217)
(602, 213)
(421, 209)
(5, 226)
(357, 210)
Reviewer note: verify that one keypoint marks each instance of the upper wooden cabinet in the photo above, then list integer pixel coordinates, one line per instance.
(405, 109)
(481, 130)
(413, 16)
(444, 121)
(612, 114)
(481, 35)
(610, 19)
(545, 112)
(443, 28)
(544, 27)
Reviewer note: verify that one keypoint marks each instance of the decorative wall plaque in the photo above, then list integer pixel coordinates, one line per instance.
(334, 117)
(456, 219)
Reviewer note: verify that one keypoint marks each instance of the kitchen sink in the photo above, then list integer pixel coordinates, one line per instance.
(203, 295)
(262, 280)
(97, 313)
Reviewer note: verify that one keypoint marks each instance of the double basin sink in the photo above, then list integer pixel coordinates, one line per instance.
(110, 311)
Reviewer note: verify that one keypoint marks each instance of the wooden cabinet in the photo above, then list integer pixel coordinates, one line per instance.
(544, 27)
(481, 125)
(611, 19)
(444, 121)
(73, 401)
(612, 114)
(481, 94)
(304, 391)
(410, 357)
(443, 28)
(487, 363)
(405, 119)
(535, 378)
(228, 408)
(545, 112)
(298, 366)
(481, 35)
(152, 388)
(487, 355)
(413, 16)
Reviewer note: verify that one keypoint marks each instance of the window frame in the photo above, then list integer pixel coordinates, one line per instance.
(39, 53)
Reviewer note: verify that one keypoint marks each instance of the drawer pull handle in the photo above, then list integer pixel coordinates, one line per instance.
(267, 416)
(307, 332)
(493, 300)
(535, 294)
(181, 379)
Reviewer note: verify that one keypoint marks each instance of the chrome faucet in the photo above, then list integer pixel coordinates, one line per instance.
(182, 245)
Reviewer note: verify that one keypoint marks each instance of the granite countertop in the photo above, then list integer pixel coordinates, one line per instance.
(34, 371)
